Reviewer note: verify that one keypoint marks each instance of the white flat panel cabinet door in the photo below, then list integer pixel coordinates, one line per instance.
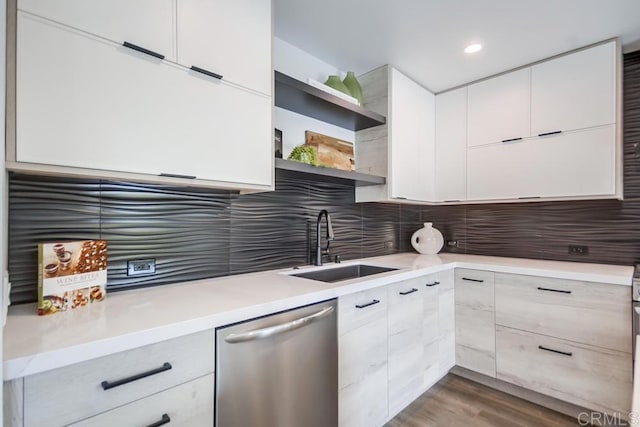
(579, 163)
(143, 116)
(412, 139)
(451, 145)
(146, 23)
(575, 91)
(500, 108)
(229, 38)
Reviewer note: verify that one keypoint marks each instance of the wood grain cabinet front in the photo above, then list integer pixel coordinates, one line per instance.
(597, 314)
(363, 358)
(475, 321)
(70, 394)
(585, 375)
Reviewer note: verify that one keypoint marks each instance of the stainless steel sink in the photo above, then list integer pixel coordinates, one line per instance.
(347, 272)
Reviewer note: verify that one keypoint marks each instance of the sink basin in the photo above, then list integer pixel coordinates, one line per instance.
(347, 272)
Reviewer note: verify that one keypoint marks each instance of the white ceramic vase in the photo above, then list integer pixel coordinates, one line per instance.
(427, 240)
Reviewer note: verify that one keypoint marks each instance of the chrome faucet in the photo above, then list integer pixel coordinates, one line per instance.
(330, 236)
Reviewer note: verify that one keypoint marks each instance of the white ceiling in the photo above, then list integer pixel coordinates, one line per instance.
(425, 38)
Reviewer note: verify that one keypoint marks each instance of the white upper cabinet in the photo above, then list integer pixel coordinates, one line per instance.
(573, 164)
(575, 91)
(102, 106)
(412, 138)
(451, 146)
(228, 38)
(146, 23)
(499, 109)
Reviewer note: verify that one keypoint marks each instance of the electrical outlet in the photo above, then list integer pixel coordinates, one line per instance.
(139, 267)
(453, 243)
(578, 250)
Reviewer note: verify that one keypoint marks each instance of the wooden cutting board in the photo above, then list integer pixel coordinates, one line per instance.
(332, 152)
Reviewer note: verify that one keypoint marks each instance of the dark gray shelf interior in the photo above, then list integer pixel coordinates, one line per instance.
(292, 169)
(299, 97)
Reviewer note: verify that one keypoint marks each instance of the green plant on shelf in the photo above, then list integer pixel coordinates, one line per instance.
(304, 154)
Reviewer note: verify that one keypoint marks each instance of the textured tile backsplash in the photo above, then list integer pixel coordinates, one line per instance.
(199, 233)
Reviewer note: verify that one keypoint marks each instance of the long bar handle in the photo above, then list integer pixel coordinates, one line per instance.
(177, 175)
(564, 353)
(206, 72)
(143, 50)
(512, 140)
(270, 331)
(410, 291)
(432, 284)
(164, 420)
(472, 280)
(106, 385)
(550, 133)
(369, 304)
(560, 291)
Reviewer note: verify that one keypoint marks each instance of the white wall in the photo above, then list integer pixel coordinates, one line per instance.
(301, 65)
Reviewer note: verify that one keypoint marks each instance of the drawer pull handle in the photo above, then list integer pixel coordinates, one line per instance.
(206, 72)
(512, 140)
(369, 304)
(564, 353)
(164, 420)
(412, 290)
(550, 133)
(143, 50)
(472, 280)
(106, 385)
(432, 284)
(560, 291)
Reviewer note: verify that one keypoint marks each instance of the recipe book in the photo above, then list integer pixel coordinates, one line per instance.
(71, 275)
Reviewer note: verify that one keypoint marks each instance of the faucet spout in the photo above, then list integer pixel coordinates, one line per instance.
(330, 235)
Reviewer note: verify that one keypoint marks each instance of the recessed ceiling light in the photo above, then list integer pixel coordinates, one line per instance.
(473, 48)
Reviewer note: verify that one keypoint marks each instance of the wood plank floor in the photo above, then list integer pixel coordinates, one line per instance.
(456, 401)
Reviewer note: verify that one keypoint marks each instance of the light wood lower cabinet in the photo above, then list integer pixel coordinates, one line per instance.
(188, 405)
(363, 358)
(475, 321)
(591, 313)
(406, 348)
(588, 376)
(66, 395)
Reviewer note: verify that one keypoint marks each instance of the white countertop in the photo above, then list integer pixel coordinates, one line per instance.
(130, 319)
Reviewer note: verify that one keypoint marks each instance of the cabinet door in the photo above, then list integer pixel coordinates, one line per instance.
(412, 139)
(451, 145)
(230, 38)
(580, 163)
(475, 321)
(406, 350)
(500, 108)
(362, 359)
(574, 91)
(146, 23)
(446, 322)
(103, 106)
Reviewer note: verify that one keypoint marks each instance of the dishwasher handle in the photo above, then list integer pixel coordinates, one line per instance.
(278, 329)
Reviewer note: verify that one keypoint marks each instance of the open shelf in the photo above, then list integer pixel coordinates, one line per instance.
(299, 97)
(294, 169)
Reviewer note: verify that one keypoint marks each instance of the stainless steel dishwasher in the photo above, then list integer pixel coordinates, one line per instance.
(279, 370)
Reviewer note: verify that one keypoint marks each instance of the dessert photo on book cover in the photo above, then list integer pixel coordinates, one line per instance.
(71, 275)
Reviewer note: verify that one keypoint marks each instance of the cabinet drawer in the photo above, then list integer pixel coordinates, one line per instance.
(591, 313)
(69, 394)
(361, 308)
(474, 288)
(584, 375)
(189, 404)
